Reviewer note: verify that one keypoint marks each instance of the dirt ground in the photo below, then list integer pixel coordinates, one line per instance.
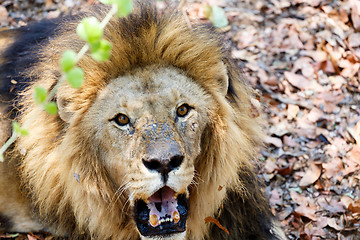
(303, 56)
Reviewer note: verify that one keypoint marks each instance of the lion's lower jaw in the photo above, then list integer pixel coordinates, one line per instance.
(175, 236)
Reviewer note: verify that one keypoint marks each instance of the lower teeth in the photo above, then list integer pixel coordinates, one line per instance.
(154, 221)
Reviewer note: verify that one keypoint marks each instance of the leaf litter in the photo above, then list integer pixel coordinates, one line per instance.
(304, 57)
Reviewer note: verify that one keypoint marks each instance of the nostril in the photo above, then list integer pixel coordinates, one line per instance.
(153, 164)
(175, 161)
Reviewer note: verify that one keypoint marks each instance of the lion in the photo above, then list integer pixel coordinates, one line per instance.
(158, 143)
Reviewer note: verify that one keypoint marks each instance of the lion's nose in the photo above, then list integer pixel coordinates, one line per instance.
(164, 166)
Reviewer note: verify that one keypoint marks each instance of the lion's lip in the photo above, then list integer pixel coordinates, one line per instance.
(163, 213)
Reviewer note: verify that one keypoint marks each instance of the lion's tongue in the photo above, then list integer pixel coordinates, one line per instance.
(163, 207)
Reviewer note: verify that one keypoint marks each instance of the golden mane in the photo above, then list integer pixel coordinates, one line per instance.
(53, 154)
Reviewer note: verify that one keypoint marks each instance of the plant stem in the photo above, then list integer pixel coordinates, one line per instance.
(8, 143)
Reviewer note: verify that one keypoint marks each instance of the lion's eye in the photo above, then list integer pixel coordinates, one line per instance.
(183, 110)
(121, 119)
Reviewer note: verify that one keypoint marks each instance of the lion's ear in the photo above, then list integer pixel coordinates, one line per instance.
(63, 109)
(223, 78)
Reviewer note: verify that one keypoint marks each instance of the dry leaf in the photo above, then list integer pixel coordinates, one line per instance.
(31, 237)
(355, 154)
(354, 40)
(270, 165)
(289, 141)
(332, 168)
(274, 141)
(332, 223)
(286, 170)
(292, 111)
(275, 198)
(354, 207)
(213, 220)
(306, 211)
(297, 198)
(297, 80)
(311, 175)
(315, 114)
(355, 13)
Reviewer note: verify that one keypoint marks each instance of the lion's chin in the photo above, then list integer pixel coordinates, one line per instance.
(163, 214)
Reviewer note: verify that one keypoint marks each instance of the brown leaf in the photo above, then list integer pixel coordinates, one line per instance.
(297, 198)
(332, 223)
(311, 175)
(292, 111)
(305, 128)
(286, 170)
(346, 200)
(284, 213)
(274, 141)
(354, 40)
(318, 56)
(355, 154)
(333, 205)
(315, 114)
(357, 133)
(333, 167)
(306, 211)
(275, 198)
(213, 220)
(270, 165)
(355, 14)
(289, 141)
(297, 80)
(354, 207)
(32, 237)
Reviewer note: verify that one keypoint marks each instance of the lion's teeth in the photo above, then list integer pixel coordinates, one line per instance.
(176, 216)
(154, 220)
(165, 220)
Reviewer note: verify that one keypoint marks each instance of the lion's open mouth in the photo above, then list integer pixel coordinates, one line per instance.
(163, 213)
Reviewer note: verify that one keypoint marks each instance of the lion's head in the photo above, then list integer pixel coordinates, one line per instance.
(149, 124)
(151, 142)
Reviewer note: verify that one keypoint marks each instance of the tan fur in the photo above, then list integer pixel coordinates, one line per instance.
(170, 62)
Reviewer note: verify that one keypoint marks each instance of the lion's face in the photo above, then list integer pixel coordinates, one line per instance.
(149, 125)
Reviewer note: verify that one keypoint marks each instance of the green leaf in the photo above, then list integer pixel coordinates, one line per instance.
(75, 77)
(124, 7)
(16, 127)
(68, 60)
(90, 30)
(51, 108)
(101, 51)
(19, 130)
(216, 15)
(107, 2)
(24, 132)
(40, 95)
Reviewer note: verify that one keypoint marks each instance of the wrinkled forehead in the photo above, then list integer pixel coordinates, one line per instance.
(152, 88)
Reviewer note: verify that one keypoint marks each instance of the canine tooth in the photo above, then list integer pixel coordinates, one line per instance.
(176, 216)
(154, 220)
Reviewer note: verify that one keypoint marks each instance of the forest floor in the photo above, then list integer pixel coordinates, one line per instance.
(303, 56)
